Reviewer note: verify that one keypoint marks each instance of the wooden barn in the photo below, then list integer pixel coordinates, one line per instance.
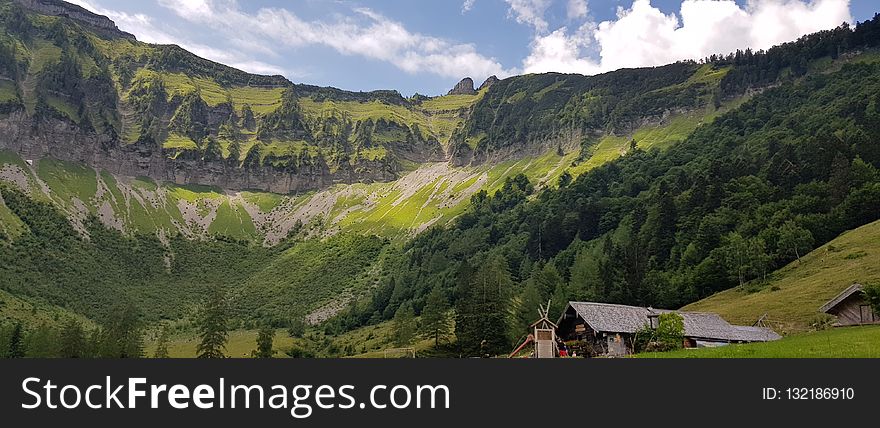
(851, 308)
(602, 329)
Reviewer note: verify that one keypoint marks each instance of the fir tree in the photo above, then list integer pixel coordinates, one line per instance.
(73, 340)
(162, 343)
(43, 342)
(212, 325)
(16, 342)
(482, 324)
(435, 317)
(264, 343)
(122, 336)
(297, 327)
(526, 311)
(403, 329)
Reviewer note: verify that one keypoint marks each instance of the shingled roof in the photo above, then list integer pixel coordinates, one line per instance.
(609, 318)
(606, 317)
(852, 289)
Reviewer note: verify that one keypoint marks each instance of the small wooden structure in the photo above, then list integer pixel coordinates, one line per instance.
(545, 334)
(851, 308)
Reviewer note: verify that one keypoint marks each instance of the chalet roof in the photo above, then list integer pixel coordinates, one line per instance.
(606, 317)
(852, 289)
(609, 318)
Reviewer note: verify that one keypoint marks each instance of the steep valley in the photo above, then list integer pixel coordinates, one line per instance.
(142, 175)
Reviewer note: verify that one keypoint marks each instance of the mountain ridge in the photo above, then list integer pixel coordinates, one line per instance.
(651, 186)
(156, 110)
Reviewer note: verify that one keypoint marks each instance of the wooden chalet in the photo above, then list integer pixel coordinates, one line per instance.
(603, 329)
(851, 308)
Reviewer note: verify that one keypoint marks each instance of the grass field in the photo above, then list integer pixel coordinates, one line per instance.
(240, 345)
(844, 342)
(793, 295)
(367, 342)
(261, 100)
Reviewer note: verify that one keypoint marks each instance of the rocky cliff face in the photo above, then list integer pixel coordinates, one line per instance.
(77, 13)
(489, 82)
(464, 87)
(61, 140)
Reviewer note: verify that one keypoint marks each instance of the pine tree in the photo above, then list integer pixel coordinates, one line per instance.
(43, 342)
(212, 325)
(162, 343)
(264, 343)
(73, 340)
(585, 283)
(403, 329)
(122, 336)
(526, 311)
(435, 317)
(297, 327)
(16, 342)
(482, 322)
(547, 279)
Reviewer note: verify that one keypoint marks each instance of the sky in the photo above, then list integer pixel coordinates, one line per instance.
(421, 46)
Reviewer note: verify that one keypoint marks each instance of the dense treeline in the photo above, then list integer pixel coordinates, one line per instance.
(120, 334)
(792, 60)
(754, 190)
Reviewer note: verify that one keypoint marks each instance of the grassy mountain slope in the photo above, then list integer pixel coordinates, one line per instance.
(535, 178)
(141, 99)
(430, 194)
(52, 267)
(791, 296)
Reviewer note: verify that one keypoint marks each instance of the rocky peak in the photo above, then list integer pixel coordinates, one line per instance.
(62, 8)
(489, 82)
(465, 87)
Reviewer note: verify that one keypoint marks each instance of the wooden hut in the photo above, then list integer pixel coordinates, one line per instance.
(608, 329)
(851, 308)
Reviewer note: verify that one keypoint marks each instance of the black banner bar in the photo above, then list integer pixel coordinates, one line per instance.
(497, 393)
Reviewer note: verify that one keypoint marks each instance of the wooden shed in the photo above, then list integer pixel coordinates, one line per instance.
(851, 308)
(602, 329)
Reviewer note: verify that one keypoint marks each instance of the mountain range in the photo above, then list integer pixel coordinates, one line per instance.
(142, 172)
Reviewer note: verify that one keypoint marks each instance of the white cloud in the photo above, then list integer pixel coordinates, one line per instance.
(644, 36)
(577, 9)
(139, 24)
(530, 12)
(366, 33)
(467, 6)
(562, 53)
(146, 30)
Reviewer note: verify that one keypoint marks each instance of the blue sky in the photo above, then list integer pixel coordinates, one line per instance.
(427, 46)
